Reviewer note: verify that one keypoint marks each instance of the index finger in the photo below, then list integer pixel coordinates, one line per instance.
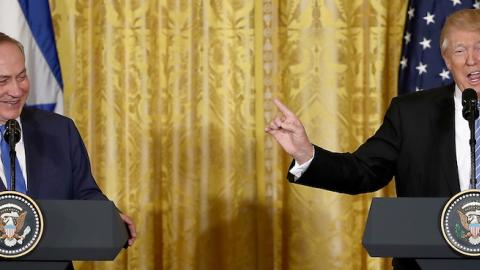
(283, 108)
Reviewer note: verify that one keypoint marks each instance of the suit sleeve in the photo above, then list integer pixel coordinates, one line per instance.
(368, 169)
(84, 185)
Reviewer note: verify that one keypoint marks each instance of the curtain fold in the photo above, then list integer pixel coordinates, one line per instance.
(172, 97)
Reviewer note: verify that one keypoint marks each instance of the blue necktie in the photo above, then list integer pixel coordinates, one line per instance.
(19, 180)
(477, 151)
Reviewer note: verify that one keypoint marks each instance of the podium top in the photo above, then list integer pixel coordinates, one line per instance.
(406, 228)
(79, 230)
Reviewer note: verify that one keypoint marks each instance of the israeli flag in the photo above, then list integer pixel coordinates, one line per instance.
(30, 22)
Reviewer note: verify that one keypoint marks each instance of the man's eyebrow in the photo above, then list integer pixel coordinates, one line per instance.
(23, 71)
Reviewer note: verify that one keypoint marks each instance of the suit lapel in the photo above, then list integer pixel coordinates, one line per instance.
(444, 119)
(30, 151)
(2, 186)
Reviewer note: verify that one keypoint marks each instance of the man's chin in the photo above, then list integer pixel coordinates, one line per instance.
(474, 85)
(4, 116)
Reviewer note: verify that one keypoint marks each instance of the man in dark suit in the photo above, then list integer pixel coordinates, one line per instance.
(53, 159)
(423, 140)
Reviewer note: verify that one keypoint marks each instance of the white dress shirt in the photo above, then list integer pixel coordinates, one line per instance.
(20, 149)
(462, 136)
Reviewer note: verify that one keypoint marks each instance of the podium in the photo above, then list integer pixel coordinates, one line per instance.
(85, 230)
(410, 228)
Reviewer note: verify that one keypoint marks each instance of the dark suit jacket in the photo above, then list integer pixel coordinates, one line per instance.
(57, 162)
(415, 143)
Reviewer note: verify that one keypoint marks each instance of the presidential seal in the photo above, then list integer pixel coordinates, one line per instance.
(21, 224)
(460, 222)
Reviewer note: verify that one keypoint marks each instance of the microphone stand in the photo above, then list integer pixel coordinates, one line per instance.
(12, 136)
(13, 157)
(473, 142)
(470, 113)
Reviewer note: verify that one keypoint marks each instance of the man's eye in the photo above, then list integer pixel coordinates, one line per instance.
(21, 78)
(3, 82)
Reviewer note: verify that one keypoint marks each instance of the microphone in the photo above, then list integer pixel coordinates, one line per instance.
(12, 136)
(469, 103)
(12, 132)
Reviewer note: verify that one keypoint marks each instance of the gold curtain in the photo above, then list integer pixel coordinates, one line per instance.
(172, 96)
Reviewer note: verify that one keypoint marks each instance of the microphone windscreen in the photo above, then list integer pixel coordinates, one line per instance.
(469, 103)
(12, 130)
(469, 94)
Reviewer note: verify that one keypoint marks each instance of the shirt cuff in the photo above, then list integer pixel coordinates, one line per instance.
(299, 169)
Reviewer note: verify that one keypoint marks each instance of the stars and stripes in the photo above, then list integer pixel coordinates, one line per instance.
(474, 229)
(421, 64)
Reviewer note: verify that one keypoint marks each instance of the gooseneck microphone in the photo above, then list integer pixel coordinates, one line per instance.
(12, 137)
(470, 113)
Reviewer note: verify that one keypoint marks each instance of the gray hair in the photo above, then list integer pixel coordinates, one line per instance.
(4, 38)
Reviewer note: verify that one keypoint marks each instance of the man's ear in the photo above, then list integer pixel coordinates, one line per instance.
(446, 59)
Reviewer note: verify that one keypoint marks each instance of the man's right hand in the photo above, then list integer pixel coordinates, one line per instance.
(290, 134)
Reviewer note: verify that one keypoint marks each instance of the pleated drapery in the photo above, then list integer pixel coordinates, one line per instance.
(172, 97)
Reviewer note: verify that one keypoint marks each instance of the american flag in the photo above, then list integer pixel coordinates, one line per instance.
(421, 64)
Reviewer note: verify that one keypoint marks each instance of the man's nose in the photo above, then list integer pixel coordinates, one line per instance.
(15, 89)
(472, 58)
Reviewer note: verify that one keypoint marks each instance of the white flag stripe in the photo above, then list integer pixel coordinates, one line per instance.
(44, 88)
